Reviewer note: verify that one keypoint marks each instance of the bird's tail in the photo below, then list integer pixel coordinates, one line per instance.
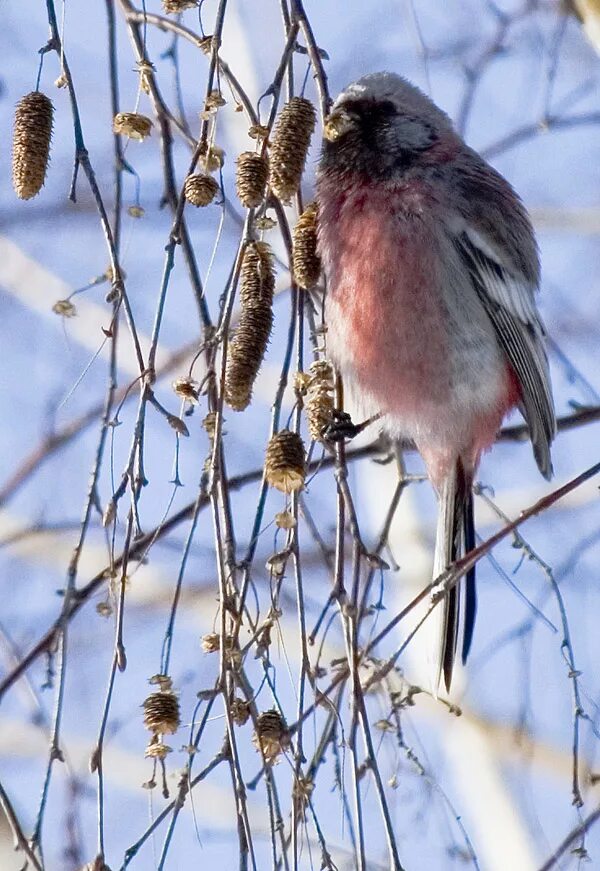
(455, 537)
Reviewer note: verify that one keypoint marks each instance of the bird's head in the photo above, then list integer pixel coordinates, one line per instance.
(380, 125)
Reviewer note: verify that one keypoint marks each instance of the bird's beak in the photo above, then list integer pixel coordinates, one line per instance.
(336, 124)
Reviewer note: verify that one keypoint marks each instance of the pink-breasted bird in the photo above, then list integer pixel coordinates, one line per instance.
(431, 268)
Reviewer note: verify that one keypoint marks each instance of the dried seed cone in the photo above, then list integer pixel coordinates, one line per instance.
(172, 7)
(306, 262)
(240, 711)
(31, 143)
(65, 308)
(156, 749)
(186, 388)
(97, 864)
(211, 643)
(246, 352)
(200, 189)
(285, 461)
(271, 736)
(212, 157)
(320, 398)
(161, 713)
(132, 124)
(257, 278)
(252, 172)
(248, 345)
(291, 139)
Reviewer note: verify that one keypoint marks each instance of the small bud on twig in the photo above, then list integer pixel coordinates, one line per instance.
(186, 388)
(214, 101)
(212, 157)
(285, 520)
(64, 308)
(240, 711)
(265, 222)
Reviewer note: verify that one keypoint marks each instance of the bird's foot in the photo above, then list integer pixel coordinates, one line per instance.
(342, 427)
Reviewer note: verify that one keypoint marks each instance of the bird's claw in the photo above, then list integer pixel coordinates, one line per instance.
(341, 428)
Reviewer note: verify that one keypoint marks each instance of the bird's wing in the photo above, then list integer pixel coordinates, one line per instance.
(510, 304)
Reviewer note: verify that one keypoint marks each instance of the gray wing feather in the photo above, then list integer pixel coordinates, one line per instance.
(515, 294)
(510, 305)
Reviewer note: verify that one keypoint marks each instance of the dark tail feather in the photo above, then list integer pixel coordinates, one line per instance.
(455, 537)
(451, 635)
(470, 591)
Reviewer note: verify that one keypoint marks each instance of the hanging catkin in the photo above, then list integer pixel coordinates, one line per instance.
(285, 461)
(291, 138)
(320, 401)
(249, 343)
(305, 260)
(31, 143)
(257, 278)
(161, 713)
(200, 189)
(246, 352)
(272, 736)
(252, 171)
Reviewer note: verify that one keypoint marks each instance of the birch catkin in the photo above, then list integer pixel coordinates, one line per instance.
(320, 402)
(200, 189)
(252, 171)
(285, 461)
(257, 279)
(291, 138)
(305, 260)
(249, 343)
(272, 736)
(245, 355)
(161, 713)
(31, 143)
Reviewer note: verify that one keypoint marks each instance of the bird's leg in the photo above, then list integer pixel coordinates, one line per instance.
(342, 427)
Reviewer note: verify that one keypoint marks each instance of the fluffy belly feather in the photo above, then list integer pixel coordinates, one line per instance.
(411, 340)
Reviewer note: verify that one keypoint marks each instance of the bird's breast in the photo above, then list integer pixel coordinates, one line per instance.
(386, 316)
(404, 325)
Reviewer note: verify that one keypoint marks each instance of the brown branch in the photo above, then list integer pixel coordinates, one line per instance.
(530, 131)
(579, 832)
(21, 842)
(52, 443)
(451, 577)
(168, 25)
